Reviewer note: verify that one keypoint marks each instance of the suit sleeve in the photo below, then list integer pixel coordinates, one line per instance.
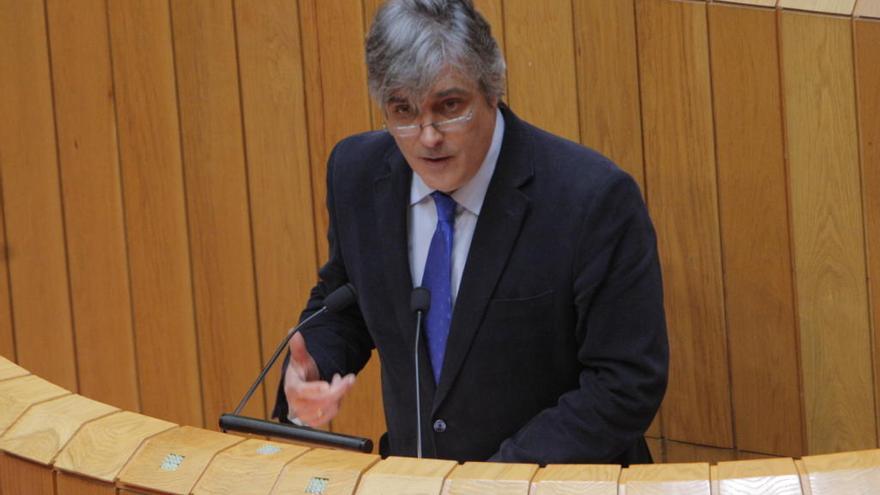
(621, 333)
(338, 342)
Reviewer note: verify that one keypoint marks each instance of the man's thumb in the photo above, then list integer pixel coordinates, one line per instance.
(298, 351)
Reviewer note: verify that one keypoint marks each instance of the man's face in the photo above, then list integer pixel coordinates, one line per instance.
(445, 159)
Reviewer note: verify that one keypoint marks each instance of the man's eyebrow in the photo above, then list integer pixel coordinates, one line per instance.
(451, 91)
(396, 99)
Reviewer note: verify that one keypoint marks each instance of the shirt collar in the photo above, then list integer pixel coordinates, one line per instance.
(471, 195)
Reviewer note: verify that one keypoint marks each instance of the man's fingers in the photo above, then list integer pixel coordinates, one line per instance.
(298, 351)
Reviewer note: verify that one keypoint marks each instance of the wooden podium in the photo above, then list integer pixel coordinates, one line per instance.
(53, 441)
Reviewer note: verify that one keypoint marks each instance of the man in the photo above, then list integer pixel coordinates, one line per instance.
(545, 340)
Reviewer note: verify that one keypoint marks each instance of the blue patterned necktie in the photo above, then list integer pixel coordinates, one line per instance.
(438, 279)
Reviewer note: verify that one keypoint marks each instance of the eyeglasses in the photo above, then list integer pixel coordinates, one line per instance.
(443, 126)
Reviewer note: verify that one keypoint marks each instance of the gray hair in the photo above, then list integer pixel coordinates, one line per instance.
(411, 42)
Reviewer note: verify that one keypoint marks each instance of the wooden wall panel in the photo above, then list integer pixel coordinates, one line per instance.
(827, 226)
(493, 11)
(680, 178)
(282, 219)
(155, 210)
(7, 338)
(32, 197)
(867, 59)
(88, 155)
(844, 7)
(755, 231)
(542, 90)
(685, 452)
(608, 82)
(758, 3)
(217, 204)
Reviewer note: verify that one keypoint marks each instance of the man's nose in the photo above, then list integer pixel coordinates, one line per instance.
(430, 137)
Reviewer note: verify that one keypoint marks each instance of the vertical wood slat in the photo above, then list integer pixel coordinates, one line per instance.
(685, 452)
(32, 197)
(867, 59)
(817, 63)
(540, 64)
(608, 82)
(755, 231)
(155, 211)
(217, 203)
(86, 126)
(282, 220)
(7, 338)
(680, 175)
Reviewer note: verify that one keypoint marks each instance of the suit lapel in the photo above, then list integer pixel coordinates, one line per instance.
(501, 217)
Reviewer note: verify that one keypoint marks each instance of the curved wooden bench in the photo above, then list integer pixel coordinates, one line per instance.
(53, 441)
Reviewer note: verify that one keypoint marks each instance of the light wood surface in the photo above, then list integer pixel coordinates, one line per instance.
(404, 475)
(682, 197)
(866, 39)
(759, 290)
(608, 83)
(155, 213)
(766, 476)
(91, 190)
(251, 467)
(276, 137)
(758, 3)
(18, 394)
(217, 204)
(340, 470)
(542, 90)
(844, 7)
(477, 478)
(850, 472)
(657, 479)
(829, 252)
(101, 448)
(41, 432)
(8, 369)
(32, 210)
(173, 461)
(567, 479)
(867, 8)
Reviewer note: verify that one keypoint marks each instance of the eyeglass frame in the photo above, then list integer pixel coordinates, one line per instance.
(417, 128)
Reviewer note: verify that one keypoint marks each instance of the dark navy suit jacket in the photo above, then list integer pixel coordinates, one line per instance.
(557, 350)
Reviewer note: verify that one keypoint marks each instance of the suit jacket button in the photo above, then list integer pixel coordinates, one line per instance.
(439, 426)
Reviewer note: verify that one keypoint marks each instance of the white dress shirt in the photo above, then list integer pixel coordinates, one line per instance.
(422, 215)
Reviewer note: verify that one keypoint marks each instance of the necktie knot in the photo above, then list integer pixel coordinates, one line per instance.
(445, 207)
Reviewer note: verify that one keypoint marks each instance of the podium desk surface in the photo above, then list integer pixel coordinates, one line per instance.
(477, 478)
(19, 394)
(248, 468)
(580, 479)
(330, 472)
(8, 369)
(673, 478)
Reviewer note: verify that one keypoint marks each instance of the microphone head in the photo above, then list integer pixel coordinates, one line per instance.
(340, 298)
(420, 300)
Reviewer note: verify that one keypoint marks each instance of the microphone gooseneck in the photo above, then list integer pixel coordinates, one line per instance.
(419, 303)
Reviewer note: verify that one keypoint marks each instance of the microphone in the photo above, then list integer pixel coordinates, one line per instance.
(419, 303)
(337, 300)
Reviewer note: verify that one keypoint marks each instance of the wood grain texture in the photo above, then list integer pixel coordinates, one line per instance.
(42, 431)
(567, 479)
(843, 7)
(759, 290)
(542, 90)
(867, 8)
(18, 394)
(685, 452)
(7, 333)
(866, 37)
(758, 3)
(681, 179)
(88, 155)
(608, 83)
(660, 479)
(250, 467)
(31, 195)
(828, 237)
(341, 469)
(101, 448)
(71, 484)
(197, 448)
(22, 476)
(770, 477)
(404, 475)
(276, 133)
(217, 204)
(8, 369)
(478, 478)
(155, 210)
(850, 472)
